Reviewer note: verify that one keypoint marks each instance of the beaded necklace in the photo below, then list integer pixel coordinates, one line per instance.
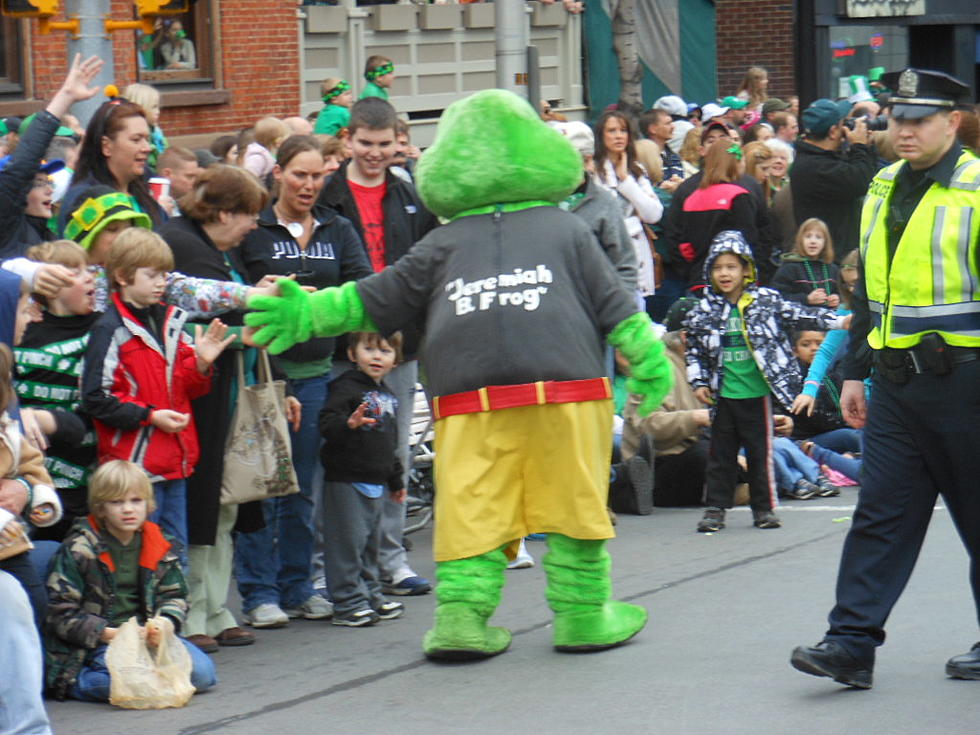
(827, 283)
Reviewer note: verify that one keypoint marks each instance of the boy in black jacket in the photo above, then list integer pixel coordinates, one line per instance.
(360, 463)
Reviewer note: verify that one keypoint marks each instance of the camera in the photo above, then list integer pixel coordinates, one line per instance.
(874, 123)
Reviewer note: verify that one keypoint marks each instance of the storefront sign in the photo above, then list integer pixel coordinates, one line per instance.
(882, 8)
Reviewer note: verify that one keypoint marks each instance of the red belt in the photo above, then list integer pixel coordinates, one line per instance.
(496, 397)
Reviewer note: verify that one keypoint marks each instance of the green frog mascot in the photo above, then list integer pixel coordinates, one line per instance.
(516, 299)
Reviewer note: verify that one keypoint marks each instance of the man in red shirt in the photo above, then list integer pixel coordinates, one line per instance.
(390, 218)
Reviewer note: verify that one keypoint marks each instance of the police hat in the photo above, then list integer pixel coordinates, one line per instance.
(920, 93)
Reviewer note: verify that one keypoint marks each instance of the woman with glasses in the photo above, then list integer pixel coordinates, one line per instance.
(313, 244)
(25, 190)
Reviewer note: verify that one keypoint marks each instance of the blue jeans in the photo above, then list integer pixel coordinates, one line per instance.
(273, 565)
(845, 465)
(92, 684)
(21, 675)
(171, 513)
(791, 464)
(840, 440)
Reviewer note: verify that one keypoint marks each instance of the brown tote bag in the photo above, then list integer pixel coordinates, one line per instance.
(258, 456)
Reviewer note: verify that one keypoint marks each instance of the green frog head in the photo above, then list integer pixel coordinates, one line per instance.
(492, 148)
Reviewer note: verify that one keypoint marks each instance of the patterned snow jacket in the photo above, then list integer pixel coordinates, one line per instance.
(82, 590)
(767, 319)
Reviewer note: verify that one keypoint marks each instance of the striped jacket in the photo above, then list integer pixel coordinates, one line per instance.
(130, 371)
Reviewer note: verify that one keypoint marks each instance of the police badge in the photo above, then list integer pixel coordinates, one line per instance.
(908, 84)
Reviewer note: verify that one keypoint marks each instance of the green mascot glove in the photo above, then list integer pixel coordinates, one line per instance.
(652, 374)
(296, 315)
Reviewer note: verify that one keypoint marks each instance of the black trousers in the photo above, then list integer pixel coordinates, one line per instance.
(920, 441)
(679, 478)
(741, 422)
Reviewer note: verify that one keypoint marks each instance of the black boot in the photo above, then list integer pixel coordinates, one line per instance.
(966, 665)
(632, 490)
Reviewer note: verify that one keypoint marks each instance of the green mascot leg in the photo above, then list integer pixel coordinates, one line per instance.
(467, 593)
(579, 591)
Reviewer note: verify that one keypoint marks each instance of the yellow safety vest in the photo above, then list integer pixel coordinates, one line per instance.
(932, 283)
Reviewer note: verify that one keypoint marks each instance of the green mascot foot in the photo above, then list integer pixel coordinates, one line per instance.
(579, 591)
(468, 591)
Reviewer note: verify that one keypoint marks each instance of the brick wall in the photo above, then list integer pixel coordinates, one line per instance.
(260, 63)
(755, 33)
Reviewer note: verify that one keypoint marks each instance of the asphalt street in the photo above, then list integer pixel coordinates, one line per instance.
(726, 609)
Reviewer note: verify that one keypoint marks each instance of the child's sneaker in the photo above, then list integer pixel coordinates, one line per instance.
(388, 609)
(825, 488)
(356, 618)
(413, 585)
(266, 615)
(803, 490)
(713, 520)
(765, 519)
(315, 607)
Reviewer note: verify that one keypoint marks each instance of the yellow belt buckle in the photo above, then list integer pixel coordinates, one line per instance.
(542, 398)
(606, 384)
(484, 399)
(435, 408)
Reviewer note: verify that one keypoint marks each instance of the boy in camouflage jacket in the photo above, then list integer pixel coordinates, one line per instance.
(86, 593)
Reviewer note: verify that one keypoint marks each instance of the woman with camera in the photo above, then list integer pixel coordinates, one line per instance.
(319, 248)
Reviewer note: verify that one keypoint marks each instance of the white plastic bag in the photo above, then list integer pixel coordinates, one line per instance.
(145, 678)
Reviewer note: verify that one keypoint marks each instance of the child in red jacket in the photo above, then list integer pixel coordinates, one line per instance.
(142, 371)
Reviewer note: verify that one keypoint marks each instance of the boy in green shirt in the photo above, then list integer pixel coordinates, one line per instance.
(740, 362)
(380, 74)
(337, 99)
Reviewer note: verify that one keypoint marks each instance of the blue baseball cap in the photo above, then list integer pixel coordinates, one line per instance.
(45, 167)
(823, 114)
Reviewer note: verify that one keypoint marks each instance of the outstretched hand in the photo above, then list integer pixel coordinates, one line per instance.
(357, 419)
(76, 87)
(208, 345)
(651, 371)
(80, 75)
(284, 320)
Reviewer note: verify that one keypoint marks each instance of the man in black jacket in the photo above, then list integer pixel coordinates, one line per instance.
(389, 218)
(827, 184)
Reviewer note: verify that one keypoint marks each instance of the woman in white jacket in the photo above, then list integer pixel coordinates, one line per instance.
(617, 169)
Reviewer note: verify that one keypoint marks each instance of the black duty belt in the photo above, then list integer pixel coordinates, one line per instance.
(931, 356)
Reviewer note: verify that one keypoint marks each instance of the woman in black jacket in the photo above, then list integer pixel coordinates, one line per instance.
(295, 237)
(217, 213)
(719, 203)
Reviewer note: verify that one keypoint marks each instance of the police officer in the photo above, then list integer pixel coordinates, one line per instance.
(917, 307)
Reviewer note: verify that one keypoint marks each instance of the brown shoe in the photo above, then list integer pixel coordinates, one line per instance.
(205, 642)
(235, 637)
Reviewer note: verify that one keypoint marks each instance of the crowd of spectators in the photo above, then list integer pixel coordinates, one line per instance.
(734, 222)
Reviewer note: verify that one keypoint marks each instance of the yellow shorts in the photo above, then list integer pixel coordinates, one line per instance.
(501, 475)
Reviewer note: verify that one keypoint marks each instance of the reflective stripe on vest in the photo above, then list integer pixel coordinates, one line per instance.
(932, 283)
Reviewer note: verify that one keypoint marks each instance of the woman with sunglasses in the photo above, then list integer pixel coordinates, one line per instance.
(297, 238)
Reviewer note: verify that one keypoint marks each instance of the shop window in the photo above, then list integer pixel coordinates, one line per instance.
(181, 47)
(11, 50)
(857, 49)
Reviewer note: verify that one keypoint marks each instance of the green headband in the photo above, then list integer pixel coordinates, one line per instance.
(735, 150)
(379, 71)
(341, 87)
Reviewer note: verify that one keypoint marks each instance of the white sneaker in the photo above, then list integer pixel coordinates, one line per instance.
(523, 560)
(315, 608)
(266, 615)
